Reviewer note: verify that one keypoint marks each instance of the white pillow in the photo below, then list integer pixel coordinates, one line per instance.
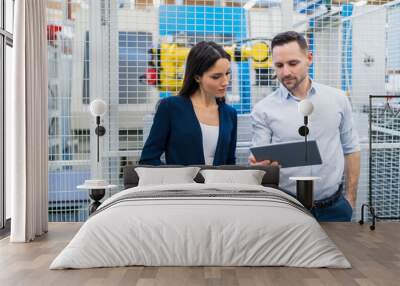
(166, 176)
(249, 177)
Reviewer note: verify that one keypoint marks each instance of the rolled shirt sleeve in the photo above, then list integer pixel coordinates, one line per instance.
(348, 133)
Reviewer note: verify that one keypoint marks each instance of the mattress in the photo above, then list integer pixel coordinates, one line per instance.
(201, 225)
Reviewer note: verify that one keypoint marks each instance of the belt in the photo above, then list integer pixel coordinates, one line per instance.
(324, 203)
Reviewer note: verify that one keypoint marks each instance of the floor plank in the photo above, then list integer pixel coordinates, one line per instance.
(374, 255)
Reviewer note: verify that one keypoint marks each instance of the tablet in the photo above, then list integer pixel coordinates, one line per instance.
(290, 154)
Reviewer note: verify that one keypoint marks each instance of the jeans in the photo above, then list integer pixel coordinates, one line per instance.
(341, 210)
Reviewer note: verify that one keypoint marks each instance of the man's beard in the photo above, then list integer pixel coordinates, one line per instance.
(297, 83)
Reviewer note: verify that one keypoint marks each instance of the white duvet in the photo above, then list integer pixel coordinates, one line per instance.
(185, 231)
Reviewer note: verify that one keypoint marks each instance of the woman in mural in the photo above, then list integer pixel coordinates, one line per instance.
(197, 126)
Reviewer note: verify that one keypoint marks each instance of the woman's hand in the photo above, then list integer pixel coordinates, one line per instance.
(254, 162)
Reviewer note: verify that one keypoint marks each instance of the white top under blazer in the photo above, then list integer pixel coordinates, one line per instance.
(210, 139)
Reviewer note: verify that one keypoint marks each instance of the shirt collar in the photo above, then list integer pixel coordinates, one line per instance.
(286, 94)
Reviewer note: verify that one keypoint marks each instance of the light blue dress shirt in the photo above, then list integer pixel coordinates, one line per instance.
(275, 119)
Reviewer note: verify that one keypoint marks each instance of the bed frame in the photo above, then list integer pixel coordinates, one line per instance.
(270, 179)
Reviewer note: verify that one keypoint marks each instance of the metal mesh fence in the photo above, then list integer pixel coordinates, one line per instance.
(385, 156)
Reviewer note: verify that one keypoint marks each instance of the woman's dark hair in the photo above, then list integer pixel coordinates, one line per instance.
(288, 37)
(201, 58)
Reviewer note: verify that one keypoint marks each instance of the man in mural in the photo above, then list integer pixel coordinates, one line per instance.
(276, 119)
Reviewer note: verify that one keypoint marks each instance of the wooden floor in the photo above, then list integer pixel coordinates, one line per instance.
(374, 255)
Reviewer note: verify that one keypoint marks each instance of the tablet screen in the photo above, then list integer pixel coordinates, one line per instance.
(290, 154)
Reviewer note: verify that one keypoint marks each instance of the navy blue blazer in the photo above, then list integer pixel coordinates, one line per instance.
(177, 132)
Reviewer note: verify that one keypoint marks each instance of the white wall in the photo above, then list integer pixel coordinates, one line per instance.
(369, 38)
(327, 55)
(265, 23)
(143, 20)
(268, 22)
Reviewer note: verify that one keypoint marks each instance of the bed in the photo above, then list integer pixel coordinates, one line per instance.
(201, 224)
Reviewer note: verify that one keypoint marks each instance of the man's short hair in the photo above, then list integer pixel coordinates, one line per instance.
(288, 37)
